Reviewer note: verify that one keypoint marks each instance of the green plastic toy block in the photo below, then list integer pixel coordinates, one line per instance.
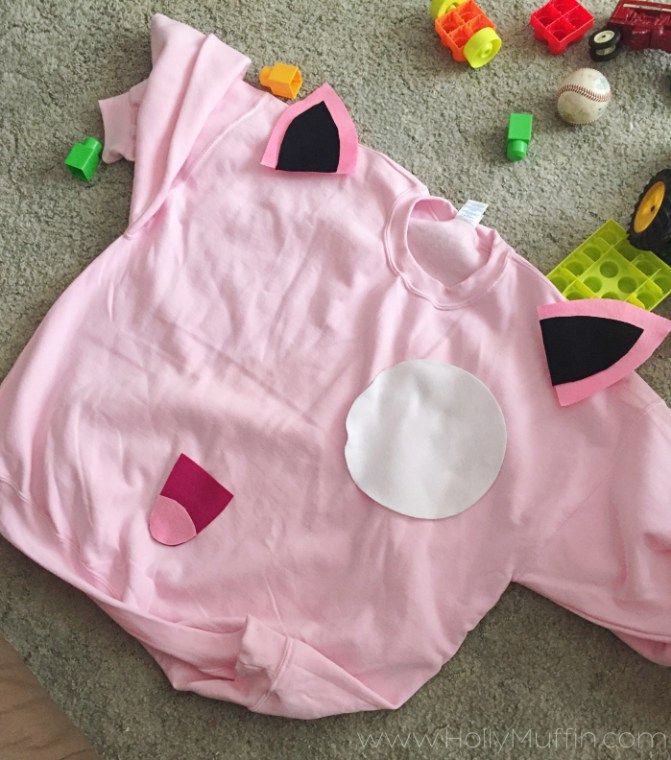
(84, 157)
(606, 265)
(519, 135)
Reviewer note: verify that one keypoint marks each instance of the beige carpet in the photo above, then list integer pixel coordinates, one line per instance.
(529, 666)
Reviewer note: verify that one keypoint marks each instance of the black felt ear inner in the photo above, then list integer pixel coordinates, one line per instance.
(311, 142)
(578, 347)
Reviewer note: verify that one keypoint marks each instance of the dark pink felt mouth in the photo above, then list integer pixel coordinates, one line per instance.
(189, 501)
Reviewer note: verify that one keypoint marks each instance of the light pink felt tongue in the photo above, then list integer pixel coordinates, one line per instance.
(169, 522)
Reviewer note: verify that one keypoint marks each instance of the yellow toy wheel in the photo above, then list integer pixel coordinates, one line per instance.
(482, 47)
(441, 7)
(649, 206)
(650, 226)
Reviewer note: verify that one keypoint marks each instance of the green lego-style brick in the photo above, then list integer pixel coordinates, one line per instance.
(607, 265)
(520, 126)
(84, 157)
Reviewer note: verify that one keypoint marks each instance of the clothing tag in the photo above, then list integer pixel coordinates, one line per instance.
(473, 211)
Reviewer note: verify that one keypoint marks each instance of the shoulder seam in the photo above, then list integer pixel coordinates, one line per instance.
(417, 183)
(130, 232)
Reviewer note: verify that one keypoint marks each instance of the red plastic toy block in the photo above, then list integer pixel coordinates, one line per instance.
(560, 23)
(457, 27)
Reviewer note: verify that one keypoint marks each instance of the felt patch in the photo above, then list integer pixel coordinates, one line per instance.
(592, 343)
(189, 500)
(425, 439)
(578, 347)
(316, 134)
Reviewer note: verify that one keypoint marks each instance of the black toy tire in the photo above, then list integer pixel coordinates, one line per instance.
(656, 237)
(614, 38)
(601, 56)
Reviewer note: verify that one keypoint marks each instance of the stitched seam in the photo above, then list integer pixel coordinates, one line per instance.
(417, 183)
(580, 90)
(224, 133)
(130, 234)
(386, 240)
(41, 513)
(279, 671)
(615, 627)
(653, 405)
(44, 516)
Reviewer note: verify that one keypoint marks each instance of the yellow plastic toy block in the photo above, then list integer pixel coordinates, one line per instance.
(441, 7)
(607, 265)
(283, 79)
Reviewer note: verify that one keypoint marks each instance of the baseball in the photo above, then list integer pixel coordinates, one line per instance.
(583, 96)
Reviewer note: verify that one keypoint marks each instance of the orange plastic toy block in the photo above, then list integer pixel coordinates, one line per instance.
(283, 79)
(469, 34)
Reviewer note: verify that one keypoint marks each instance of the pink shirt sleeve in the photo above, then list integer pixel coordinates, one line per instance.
(610, 559)
(156, 123)
(120, 119)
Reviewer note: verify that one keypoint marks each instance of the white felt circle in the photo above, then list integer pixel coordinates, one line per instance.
(425, 439)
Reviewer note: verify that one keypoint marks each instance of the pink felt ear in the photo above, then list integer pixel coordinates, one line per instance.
(347, 134)
(652, 330)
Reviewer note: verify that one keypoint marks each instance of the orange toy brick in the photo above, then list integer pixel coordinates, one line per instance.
(283, 79)
(469, 34)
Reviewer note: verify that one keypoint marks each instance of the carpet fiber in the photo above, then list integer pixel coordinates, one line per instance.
(529, 666)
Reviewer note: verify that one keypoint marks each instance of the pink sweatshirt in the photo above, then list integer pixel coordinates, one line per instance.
(261, 323)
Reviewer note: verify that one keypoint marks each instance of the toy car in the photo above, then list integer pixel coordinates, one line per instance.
(650, 226)
(466, 30)
(638, 24)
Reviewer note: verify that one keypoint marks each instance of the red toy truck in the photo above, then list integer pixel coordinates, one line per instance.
(638, 24)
